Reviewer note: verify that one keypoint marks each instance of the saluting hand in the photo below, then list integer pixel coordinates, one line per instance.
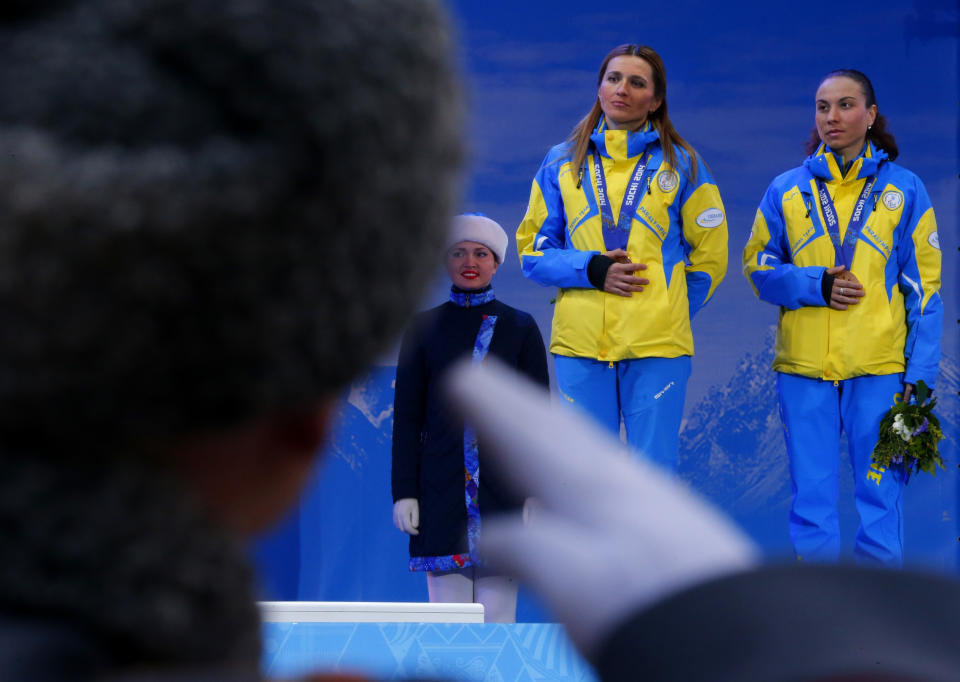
(846, 291)
(620, 279)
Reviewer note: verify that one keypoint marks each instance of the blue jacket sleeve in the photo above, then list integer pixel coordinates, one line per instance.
(704, 225)
(919, 279)
(545, 255)
(767, 261)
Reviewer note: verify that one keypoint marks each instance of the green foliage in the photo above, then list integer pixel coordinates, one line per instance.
(909, 436)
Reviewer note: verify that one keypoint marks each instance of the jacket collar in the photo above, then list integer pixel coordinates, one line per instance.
(466, 298)
(622, 144)
(822, 164)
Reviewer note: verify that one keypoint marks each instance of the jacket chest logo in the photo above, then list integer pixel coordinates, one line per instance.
(892, 199)
(667, 181)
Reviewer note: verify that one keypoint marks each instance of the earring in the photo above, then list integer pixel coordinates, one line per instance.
(869, 128)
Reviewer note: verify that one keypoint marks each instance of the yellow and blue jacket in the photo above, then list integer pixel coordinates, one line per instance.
(679, 231)
(896, 326)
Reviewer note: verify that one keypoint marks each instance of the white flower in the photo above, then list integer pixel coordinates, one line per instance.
(900, 428)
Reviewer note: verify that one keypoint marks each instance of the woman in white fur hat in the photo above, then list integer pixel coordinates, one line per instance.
(439, 495)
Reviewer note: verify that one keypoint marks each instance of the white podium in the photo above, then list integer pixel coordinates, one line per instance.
(368, 612)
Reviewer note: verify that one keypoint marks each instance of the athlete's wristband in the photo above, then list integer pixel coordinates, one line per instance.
(597, 270)
(826, 287)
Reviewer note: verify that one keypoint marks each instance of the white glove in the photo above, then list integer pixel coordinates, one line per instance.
(611, 534)
(406, 515)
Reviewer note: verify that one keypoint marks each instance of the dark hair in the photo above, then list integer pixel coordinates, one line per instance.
(659, 119)
(185, 198)
(877, 133)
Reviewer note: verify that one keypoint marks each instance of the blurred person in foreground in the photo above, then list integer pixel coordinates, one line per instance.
(185, 199)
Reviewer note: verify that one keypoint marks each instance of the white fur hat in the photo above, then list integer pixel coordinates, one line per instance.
(475, 227)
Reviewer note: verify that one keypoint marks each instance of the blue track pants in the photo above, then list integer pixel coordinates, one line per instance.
(648, 393)
(813, 413)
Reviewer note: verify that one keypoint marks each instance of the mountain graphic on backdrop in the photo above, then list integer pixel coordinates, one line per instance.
(732, 450)
(731, 443)
(364, 419)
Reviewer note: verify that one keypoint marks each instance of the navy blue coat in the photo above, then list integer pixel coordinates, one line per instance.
(428, 459)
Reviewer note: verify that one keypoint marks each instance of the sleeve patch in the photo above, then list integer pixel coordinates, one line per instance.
(712, 217)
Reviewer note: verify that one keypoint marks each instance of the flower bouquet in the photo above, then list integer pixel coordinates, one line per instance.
(909, 434)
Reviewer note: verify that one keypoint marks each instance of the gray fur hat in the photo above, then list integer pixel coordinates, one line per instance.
(184, 188)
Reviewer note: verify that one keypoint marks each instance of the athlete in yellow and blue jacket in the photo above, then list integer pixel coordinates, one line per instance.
(617, 354)
(847, 348)
(679, 231)
(896, 327)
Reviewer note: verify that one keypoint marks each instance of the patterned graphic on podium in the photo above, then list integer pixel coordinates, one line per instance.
(492, 653)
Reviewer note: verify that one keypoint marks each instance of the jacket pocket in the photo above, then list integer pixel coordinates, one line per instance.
(577, 322)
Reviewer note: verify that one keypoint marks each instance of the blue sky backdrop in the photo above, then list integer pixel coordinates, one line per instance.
(741, 83)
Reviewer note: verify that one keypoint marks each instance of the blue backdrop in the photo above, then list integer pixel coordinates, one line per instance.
(741, 84)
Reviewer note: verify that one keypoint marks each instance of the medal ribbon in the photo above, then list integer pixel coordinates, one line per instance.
(616, 234)
(844, 250)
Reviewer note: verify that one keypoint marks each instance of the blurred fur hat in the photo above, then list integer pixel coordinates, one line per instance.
(184, 186)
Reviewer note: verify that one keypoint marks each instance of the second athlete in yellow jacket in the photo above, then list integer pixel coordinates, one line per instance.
(846, 245)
